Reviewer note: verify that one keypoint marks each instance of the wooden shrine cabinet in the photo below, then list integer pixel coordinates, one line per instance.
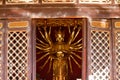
(15, 50)
(104, 49)
(100, 52)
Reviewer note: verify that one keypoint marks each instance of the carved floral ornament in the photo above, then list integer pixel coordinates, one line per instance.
(59, 22)
(81, 1)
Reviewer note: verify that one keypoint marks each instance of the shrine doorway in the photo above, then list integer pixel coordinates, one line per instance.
(60, 48)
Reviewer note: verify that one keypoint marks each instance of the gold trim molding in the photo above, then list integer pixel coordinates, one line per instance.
(100, 24)
(117, 24)
(59, 22)
(18, 24)
(1, 25)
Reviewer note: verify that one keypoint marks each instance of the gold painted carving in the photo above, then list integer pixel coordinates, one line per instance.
(117, 24)
(1, 25)
(59, 22)
(100, 24)
(18, 24)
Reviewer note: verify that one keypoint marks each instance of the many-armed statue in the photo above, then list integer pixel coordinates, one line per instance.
(59, 52)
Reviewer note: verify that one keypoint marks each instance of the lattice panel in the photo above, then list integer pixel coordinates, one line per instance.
(117, 56)
(100, 55)
(17, 55)
(95, 1)
(0, 55)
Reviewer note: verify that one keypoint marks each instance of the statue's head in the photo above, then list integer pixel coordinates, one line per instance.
(59, 36)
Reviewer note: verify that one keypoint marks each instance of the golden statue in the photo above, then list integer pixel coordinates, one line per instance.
(60, 66)
(59, 52)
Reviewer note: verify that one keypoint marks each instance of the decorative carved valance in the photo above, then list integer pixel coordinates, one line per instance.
(59, 22)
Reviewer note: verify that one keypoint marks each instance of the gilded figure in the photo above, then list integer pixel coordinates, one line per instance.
(59, 52)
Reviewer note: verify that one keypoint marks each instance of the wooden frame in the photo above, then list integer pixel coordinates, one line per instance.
(5, 30)
(112, 43)
(22, 2)
(94, 2)
(2, 51)
(84, 48)
(115, 30)
(86, 42)
(89, 60)
(59, 2)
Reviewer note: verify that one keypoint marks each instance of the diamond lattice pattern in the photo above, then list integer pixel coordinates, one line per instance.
(100, 55)
(17, 55)
(117, 56)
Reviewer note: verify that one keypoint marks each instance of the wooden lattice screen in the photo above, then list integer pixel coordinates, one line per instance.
(17, 55)
(100, 56)
(17, 51)
(117, 49)
(104, 50)
(117, 55)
